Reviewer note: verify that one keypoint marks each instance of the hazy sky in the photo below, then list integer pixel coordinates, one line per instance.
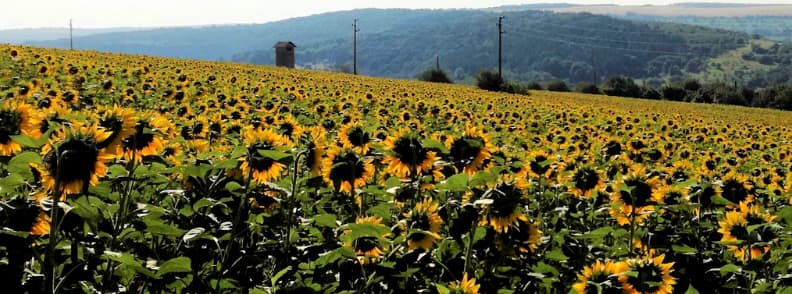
(137, 13)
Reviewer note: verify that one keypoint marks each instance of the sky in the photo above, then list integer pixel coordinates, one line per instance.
(159, 13)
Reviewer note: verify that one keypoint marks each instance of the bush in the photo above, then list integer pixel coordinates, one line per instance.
(557, 86)
(587, 88)
(434, 75)
(514, 88)
(489, 80)
(622, 86)
(674, 93)
(534, 86)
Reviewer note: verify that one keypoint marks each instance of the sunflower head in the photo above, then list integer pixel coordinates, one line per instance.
(603, 274)
(464, 286)
(262, 168)
(504, 211)
(73, 159)
(470, 151)
(523, 238)
(586, 180)
(424, 224)
(369, 248)
(345, 170)
(648, 275)
(265, 201)
(407, 156)
(120, 123)
(355, 137)
(15, 119)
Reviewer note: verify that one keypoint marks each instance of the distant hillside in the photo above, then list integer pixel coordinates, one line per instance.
(686, 9)
(19, 36)
(401, 43)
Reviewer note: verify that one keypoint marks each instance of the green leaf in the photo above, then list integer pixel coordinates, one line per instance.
(117, 170)
(226, 164)
(442, 289)
(129, 261)
(325, 220)
(434, 144)
(365, 230)
(455, 183)
(192, 234)
(10, 182)
(272, 154)
(729, 268)
(280, 274)
(556, 255)
(234, 187)
(382, 210)
(691, 290)
(21, 163)
(684, 249)
(175, 265)
(26, 141)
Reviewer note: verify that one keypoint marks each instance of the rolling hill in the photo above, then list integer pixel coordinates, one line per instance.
(538, 45)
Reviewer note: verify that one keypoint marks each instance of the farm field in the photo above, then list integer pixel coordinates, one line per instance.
(123, 173)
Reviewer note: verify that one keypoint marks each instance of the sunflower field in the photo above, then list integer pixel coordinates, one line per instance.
(123, 173)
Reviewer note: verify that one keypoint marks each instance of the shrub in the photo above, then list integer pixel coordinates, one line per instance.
(434, 75)
(489, 80)
(557, 86)
(587, 88)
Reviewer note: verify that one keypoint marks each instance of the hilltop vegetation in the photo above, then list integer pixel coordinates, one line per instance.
(399, 43)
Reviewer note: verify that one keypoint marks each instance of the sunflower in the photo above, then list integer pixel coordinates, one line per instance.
(352, 136)
(289, 127)
(368, 249)
(585, 181)
(465, 286)
(263, 169)
(120, 122)
(345, 170)
(539, 164)
(15, 119)
(265, 201)
(651, 276)
(53, 114)
(425, 224)
(604, 274)
(747, 245)
(314, 142)
(736, 189)
(73, 158)
(523, 237)
(469, 152)
(147, 139)
(504, 210)
(407, 156)
(633, 194)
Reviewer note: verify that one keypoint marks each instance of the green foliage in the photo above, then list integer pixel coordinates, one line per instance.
(434, 75)
(489, 80)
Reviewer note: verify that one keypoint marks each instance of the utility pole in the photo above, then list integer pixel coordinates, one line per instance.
(500, 47)
(437, 61)
(355, 30)
(71, 36)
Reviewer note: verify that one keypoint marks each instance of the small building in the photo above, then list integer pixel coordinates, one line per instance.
(284, 54)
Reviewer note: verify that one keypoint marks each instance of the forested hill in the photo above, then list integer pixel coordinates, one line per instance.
(400, 43)
(536, 46)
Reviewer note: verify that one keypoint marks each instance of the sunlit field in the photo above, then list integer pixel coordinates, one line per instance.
(123, 173)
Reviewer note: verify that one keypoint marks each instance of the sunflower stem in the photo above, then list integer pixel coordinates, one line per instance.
(122, 211)
(290, 210)
(235, 225)
(50, 265)
(469, 249)
(632, 227)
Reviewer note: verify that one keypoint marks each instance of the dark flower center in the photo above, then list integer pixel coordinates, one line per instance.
(639, 195)
(649, 278)
(358, 137)
(585, 179)
(505, 200)
(256, 161)
(537, 165)
(78, 159)
(140, 139)
(346, 168)
(410, 151)
(366, 244)
(9, 124)
(464, 150)
(734, 191)
(115, 125)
